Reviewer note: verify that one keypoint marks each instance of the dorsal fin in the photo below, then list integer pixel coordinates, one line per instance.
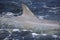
(27, 14)
(26, 11)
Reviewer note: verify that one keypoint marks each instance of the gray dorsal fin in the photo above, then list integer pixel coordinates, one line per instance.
(27, 14)
(26, 11)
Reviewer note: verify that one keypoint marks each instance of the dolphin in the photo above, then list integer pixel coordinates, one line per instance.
(29, 21)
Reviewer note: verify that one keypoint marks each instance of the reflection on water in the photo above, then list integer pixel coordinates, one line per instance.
(17, 34)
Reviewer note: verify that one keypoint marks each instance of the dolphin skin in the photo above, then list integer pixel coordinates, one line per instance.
(29, 21)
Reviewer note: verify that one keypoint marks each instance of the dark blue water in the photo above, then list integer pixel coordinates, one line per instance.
(38, 7)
